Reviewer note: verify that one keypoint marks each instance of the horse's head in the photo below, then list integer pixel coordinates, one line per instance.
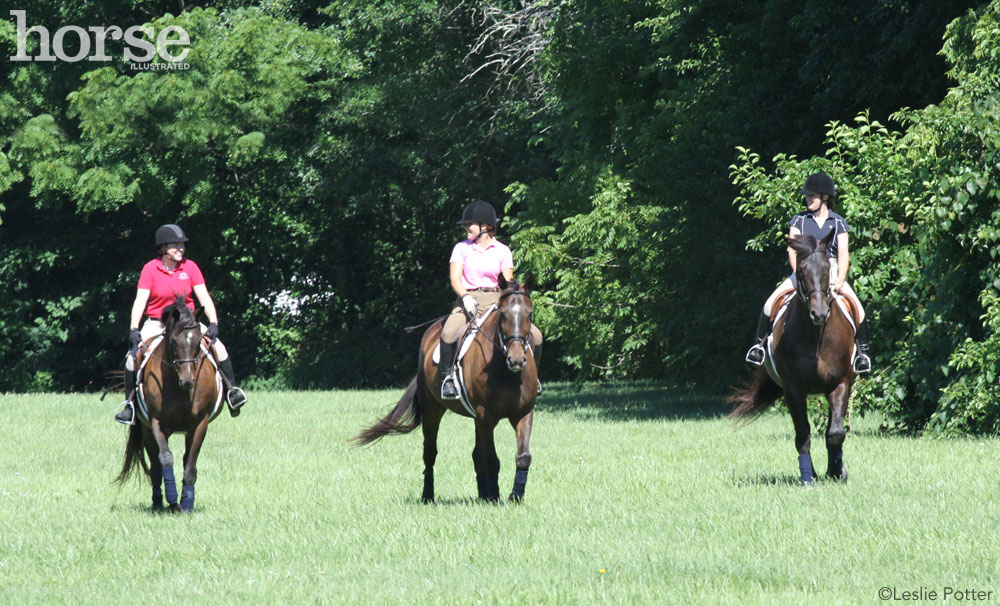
(812, 275)
(514, 315)
(183, 334)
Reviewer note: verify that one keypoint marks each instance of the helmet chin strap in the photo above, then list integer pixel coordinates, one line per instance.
(480, 234)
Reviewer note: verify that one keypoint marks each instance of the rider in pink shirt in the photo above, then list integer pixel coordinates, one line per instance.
(161, 281)
(475, 268)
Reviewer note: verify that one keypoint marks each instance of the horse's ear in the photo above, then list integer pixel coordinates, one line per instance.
(502, 281)
(529, 284)
(828, 239)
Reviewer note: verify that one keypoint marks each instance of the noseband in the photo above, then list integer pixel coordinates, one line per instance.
(804, 297)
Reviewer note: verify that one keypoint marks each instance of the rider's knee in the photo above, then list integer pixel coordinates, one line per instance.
(453, 327)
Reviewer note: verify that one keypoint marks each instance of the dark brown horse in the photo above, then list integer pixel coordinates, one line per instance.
(812, 353)
(502, 381)
(181, 394)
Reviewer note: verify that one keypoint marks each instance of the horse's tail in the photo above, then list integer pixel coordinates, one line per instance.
(404, 418)
(133, 452)
(753, 398)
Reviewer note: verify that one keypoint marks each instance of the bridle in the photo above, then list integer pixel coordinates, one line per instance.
(506, 340)
(177, 362)
(804, 296)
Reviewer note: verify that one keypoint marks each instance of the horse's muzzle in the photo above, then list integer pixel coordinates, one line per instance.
(516, 363)
(819, 318)
(186, 384)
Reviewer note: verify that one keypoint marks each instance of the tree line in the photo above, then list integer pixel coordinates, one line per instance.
(644, 156)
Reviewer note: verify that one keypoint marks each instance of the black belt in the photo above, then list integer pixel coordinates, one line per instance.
(485, 289)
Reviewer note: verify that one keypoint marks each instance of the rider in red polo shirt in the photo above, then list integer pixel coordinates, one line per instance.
(161, 280)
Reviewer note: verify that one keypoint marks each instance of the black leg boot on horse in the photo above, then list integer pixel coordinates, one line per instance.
(755, 355)
(862, 363)
(234, 395)
(446, 371)
(127, 413)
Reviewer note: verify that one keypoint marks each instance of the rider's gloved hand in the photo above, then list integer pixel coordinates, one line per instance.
(213, 332)
(470, 305)
(134, 337)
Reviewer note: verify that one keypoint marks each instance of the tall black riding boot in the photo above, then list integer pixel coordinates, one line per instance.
(755, 355)
(862, 363)
(234, 395)
(127, 414)
(446, 371)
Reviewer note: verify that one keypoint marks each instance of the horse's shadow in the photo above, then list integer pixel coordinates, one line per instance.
(634, 402)
(457, 502)
(765, 479)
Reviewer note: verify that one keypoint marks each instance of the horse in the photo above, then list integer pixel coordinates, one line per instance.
(812, 352)
(501, 380)
(182, 394)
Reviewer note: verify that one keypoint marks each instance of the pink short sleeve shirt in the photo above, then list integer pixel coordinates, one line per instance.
(164, 285)
(481, 267)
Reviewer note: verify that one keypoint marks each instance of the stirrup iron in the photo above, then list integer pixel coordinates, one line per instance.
(119, 418)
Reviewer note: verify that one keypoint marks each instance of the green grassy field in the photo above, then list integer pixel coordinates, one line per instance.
(638, 494)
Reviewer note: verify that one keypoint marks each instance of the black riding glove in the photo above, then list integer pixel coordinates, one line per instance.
(134, 337)
(212, 332)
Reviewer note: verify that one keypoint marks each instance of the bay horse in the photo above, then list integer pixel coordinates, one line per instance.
(812, 352)
(501, 380)
(182, 394)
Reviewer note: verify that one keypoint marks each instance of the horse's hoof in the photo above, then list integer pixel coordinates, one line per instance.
(427, 500)
(175, 508)
(841, 477)
(515, 499)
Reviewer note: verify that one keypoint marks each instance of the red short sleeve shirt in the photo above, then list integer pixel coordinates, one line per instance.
(164, 285)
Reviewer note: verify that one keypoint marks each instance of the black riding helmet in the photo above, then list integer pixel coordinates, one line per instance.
(819, 183)
(169, 233)
(479, 212)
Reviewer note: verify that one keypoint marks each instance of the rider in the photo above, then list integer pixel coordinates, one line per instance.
(819, 220)
(476, 263)
(161, 280)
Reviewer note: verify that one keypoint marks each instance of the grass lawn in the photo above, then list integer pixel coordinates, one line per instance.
(638, 494)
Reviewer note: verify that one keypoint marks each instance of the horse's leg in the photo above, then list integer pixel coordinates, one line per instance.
(800, 418)
(430, 423)
(835, 432)
(522, 427)
(192, 446)
(166, 459)
(155, 468)
(487, 463)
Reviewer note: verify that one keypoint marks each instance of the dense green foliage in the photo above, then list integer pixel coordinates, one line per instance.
(318, 153)
(624, 505)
